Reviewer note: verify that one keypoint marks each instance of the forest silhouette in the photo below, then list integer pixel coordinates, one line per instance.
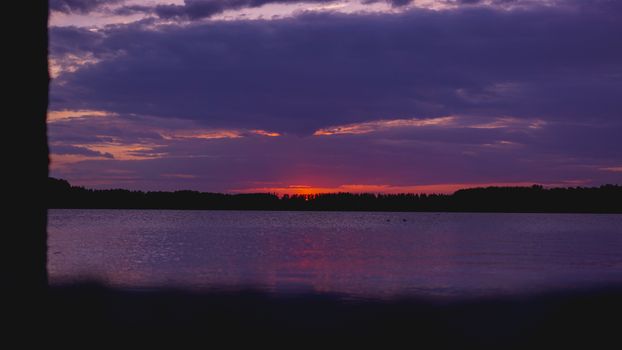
(603, 199)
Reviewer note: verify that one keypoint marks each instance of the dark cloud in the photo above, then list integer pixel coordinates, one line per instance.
(393, 3)
(304, 73)
(198, 9)
(127, 129)
(501, 2)
(80, 6)
(69, 149)
(76, 41)
(399, 3)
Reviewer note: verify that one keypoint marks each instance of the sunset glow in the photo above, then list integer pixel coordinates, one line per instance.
(360, 188)
(615, 169)
(206, 135)
(54, 116)
(368, 127)
(266, 133)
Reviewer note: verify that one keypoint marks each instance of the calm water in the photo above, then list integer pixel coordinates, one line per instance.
(357, 254)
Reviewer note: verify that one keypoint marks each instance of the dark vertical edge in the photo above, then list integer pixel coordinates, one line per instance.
(26, 149)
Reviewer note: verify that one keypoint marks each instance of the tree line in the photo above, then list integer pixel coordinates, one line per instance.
(603, 199)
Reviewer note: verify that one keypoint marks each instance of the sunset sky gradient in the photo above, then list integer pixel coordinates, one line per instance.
(322, 96)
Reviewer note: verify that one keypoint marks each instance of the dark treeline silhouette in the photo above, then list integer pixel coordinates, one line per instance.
(603, 199)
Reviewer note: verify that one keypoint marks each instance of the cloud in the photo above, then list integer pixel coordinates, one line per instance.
(80, 6)
(192, 10)
(68, 149)
(380, 125)
(440, 122)
(55, 116)
(126, 137)
(615, 169)
(302, 74)
(200, 9)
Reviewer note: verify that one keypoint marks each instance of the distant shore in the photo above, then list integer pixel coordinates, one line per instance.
(533, 199)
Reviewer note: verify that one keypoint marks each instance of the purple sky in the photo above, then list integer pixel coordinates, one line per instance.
(299, 97)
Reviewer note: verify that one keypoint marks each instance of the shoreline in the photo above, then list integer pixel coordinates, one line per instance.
(343, 210)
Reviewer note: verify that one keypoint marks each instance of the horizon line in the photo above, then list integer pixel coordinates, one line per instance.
(524, 185)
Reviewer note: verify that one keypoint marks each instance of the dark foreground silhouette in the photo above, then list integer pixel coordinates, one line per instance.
(603, 199)
(94, 315)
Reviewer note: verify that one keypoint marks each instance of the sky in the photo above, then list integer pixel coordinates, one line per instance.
(287, 96)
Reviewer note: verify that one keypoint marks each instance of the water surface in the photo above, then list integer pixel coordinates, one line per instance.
(359, 254)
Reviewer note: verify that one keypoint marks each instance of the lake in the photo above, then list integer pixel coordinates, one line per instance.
(354, 254)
